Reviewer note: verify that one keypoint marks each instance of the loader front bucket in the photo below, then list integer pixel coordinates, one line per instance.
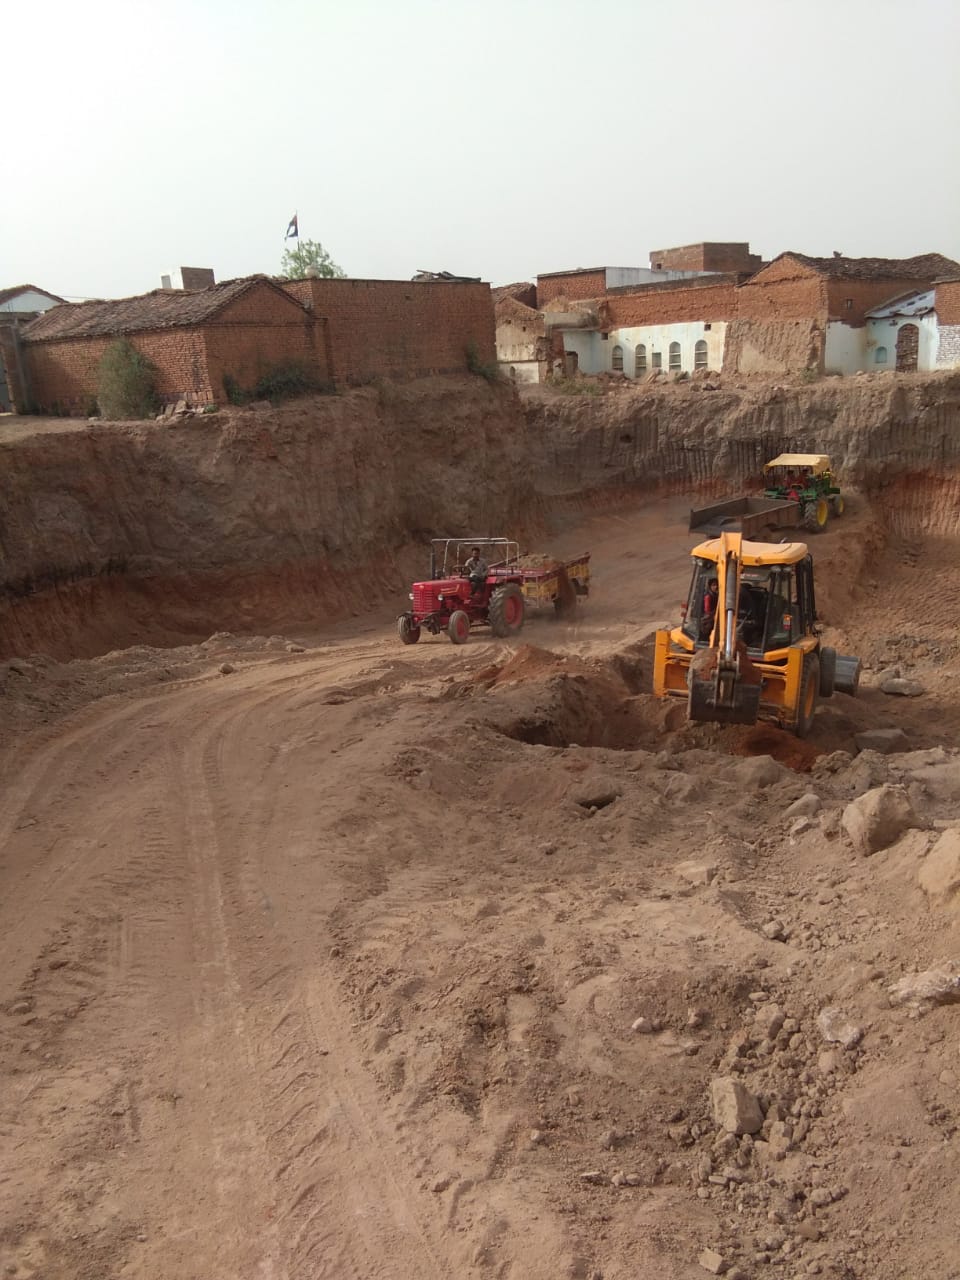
(722, 698)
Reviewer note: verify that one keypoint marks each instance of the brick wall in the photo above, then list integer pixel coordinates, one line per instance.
(786, 291)
(947, 301)
(706, 256)
(571, 284)
(261, 330)
(399, 328)
(11, 361)
(662, 304)
(948, 352)
(864, 295)
(63, 375)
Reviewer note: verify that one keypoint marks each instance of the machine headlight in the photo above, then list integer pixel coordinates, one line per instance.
(411, 595)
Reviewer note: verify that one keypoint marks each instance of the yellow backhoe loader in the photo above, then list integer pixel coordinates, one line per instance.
(748, 647)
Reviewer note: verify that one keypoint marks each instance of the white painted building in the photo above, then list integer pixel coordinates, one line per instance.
(675, 348)
(901, 334)
(26, 299)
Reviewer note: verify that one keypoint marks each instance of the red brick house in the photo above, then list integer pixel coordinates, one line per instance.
(199, 341)
(835, 295)
(401, 328)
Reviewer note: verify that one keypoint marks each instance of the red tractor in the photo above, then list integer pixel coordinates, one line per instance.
(453, 602)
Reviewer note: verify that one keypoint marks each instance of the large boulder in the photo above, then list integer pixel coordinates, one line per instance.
(886, 741)
(939, 873)
(878, 818)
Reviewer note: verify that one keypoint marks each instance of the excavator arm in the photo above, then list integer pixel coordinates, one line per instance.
(723, 685)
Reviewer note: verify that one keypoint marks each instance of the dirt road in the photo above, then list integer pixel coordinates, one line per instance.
(322, 968)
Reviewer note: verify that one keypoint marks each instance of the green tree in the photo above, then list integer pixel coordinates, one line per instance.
(127, 386)
(309, 258)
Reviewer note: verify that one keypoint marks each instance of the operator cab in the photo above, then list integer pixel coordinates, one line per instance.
(776, 605)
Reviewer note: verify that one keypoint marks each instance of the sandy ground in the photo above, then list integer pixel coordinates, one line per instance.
(381, 962)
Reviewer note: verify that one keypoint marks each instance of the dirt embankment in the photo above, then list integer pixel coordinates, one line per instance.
(112, 535)
(257, 520)
(881, 432)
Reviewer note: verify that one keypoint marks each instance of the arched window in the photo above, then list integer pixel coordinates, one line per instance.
(616, 357)
(640, 357)
(880, 355)
(700, 355)
(675, 356)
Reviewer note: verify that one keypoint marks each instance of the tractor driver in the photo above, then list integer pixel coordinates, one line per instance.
(476, 569)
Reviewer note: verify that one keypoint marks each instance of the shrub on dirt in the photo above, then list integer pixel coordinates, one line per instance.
(127, 383)
(277, 383)
(488, 369)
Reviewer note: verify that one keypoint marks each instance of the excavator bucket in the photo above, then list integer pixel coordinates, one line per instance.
(723, 690)
(723, 701)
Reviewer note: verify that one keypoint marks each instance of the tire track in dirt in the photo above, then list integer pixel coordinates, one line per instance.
(330, 1147)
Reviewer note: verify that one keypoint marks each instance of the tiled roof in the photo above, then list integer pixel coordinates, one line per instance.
(7, 294)
(160, 309)
(925, 266)
(502, 291)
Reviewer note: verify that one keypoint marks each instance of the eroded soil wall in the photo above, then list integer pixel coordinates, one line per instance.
(118, 534)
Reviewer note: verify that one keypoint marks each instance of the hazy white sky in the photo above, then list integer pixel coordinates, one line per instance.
(496, 138)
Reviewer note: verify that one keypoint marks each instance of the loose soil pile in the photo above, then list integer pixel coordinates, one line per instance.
(323, 956)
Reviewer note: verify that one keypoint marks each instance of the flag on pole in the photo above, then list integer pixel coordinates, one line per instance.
(293, 230)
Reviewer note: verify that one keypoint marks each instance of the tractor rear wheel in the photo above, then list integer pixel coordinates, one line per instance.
(816, 514)
(458, 628)
(506, 610)
(809, 688)
(407, 630)
(828, 671)
(838, 505)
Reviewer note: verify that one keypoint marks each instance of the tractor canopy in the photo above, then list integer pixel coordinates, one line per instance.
(449, 555)
(818, 463)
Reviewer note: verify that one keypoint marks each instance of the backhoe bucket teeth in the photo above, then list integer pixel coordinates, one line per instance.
(738, 703)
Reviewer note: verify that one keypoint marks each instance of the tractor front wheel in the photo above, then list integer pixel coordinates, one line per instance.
(407, 629)
(506, 610)
(809, 689)
(816, 514)
(838, 504)
(458, 628)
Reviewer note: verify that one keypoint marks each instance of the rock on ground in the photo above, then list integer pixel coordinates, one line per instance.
(934, 986)
(886, 741)
(837, 1028)
(878, 818)
(735, 1109)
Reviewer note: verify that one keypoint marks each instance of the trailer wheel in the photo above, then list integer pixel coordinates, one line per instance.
(407, 630)
(506, 610)
(828, 671)
(809, 688)
(458, 628)
(565, 602)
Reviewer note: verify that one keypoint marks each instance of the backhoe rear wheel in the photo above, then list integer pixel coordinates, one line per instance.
(809, 689)
(506, 610)
(816, 514)
(828, 671)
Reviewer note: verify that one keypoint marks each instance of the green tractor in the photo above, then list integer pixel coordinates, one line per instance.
(805, 478)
